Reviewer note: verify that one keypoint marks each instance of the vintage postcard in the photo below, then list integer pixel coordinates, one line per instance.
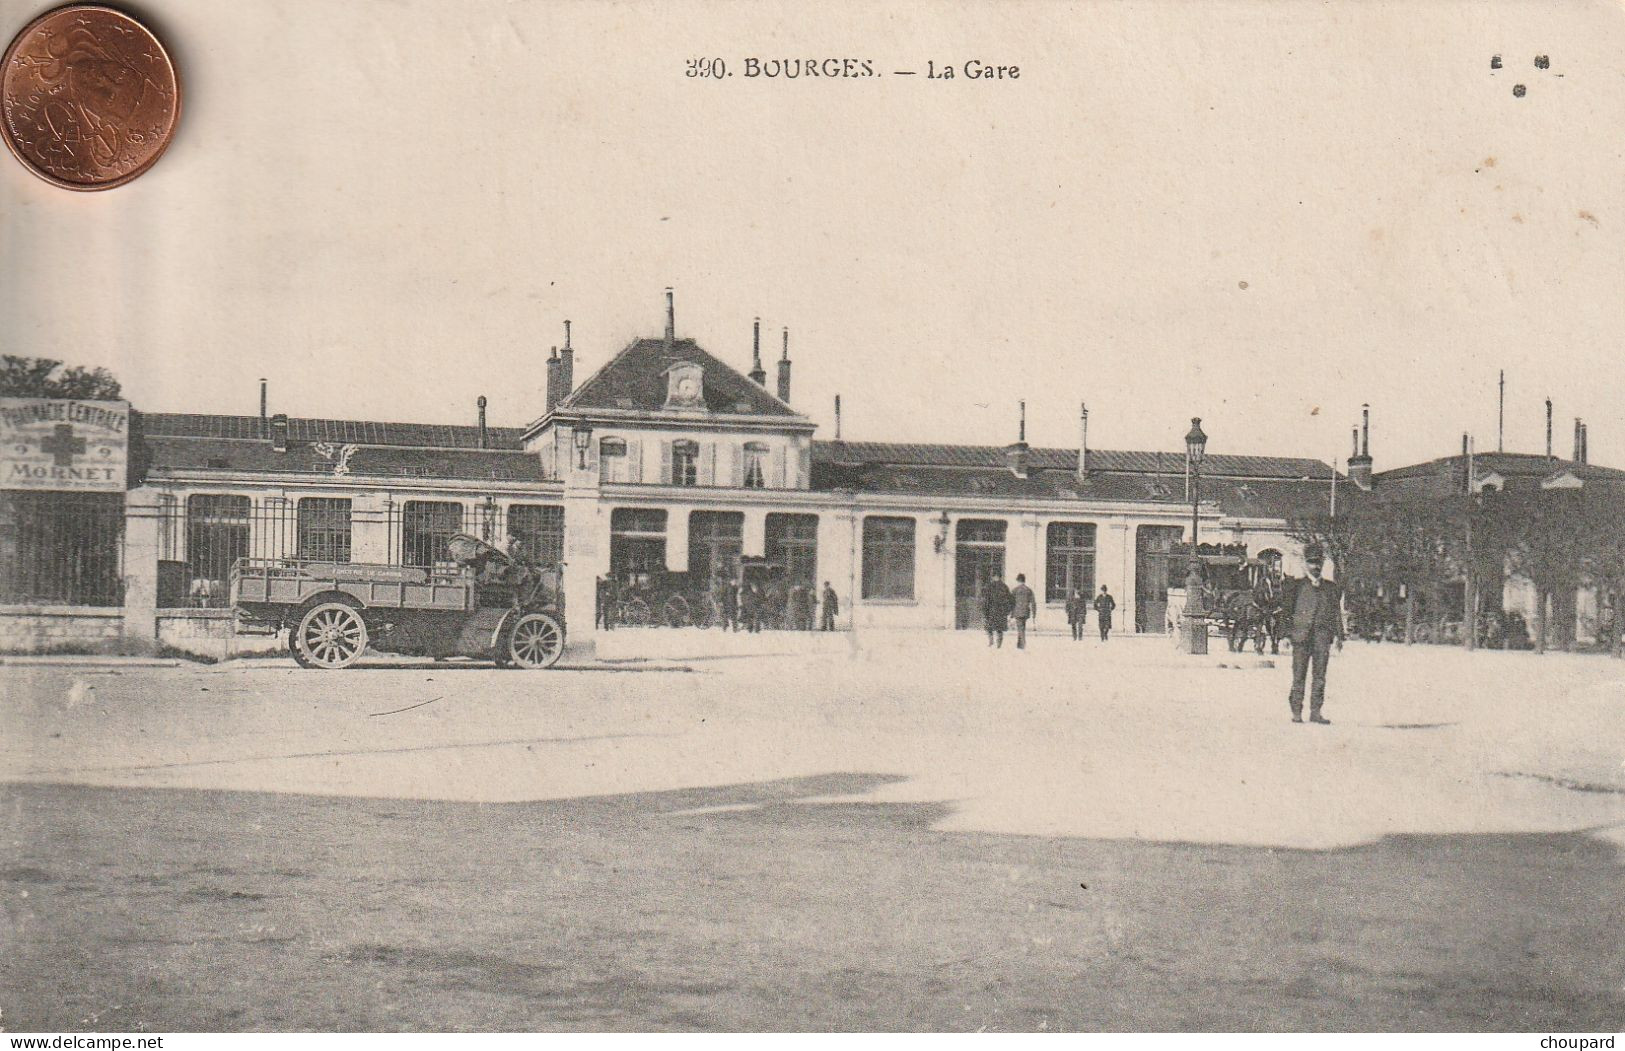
(886, 517)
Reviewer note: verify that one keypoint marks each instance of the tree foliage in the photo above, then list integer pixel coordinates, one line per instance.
(22, 377)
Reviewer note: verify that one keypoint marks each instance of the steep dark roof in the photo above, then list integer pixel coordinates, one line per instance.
(368, 461)
(1508, 465)
(359, 432)
(635, 379)
(1100, 460)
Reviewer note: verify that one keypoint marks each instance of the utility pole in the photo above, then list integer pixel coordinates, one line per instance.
(1501, 416)
(1470, 590)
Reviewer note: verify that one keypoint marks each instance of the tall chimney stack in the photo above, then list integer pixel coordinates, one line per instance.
(784, 370)
(758, 375)
(480, 402)
(1585, 442)
(264, 402)
(1355, 434)
(837, 417)
(567, 366)
(1548, 428)
(1359, 465)
(552, 396)
(1083, 441)
(1015, 456)
(671, 319)
(1576, 456)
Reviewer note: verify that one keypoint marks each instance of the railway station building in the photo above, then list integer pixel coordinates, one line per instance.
(665, 460)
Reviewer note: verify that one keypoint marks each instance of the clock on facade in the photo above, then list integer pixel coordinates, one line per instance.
(685, 385)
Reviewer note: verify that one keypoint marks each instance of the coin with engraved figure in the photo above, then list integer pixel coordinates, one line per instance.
(89, 99)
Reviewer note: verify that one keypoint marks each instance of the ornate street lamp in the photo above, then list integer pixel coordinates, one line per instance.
(1195, 614)
(1195, 448)
(583, 437)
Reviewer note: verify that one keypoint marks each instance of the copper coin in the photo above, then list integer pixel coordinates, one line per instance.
(90, 97)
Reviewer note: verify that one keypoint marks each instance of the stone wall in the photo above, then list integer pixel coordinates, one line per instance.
(41, 629)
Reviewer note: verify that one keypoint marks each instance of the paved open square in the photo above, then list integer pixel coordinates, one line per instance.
(880, 831)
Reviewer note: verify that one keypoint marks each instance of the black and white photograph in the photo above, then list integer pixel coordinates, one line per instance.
(673, 516)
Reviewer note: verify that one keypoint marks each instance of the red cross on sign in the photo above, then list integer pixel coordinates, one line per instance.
(62, 445)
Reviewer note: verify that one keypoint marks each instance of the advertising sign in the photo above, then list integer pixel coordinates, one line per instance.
(64, 444)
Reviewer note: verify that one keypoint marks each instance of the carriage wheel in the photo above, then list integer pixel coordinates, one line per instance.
(535, 641)
(675, 613)
(635, 612)
(331, 636)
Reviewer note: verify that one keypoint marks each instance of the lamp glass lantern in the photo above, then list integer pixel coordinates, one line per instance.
(1195, 442)
(583, 440)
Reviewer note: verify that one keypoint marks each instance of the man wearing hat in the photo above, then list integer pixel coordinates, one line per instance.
(1314, 607)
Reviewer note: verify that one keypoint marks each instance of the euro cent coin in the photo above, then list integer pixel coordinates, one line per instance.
(89, 98)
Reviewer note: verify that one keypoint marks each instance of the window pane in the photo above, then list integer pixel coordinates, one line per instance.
(1070, 561)
(888, 558)
(426, 526)
(217, 534)
(324, 529)
(536, 533)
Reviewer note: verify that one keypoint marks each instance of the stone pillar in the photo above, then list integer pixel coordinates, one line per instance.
(371, 533)
(838, 561)
(1114, 567)
(586, 557)
(677, 539)
(1026, 553)
(143, 520)
(755, 538)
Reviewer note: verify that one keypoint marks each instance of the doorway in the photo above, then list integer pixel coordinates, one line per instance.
(978, 556)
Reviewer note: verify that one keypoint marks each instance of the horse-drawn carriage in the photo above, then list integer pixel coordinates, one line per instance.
(1241, 595)
(482, 603)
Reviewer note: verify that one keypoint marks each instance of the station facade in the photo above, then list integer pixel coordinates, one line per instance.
(667, 459)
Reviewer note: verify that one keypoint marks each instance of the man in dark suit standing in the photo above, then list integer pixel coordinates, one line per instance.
(1314, 608)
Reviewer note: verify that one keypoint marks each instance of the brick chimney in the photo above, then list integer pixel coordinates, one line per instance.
(1360, 459)
(480, 403)
(567, 366)
(1585, 442)
(1577, 450)
(552, 395)
(784, 370)
(671, 319)
(1549, 429)
(1016, 455)
(758, 375)
(1083, 441)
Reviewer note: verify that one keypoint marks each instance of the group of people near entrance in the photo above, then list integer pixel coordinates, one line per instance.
(1003, 606)
(744, 606)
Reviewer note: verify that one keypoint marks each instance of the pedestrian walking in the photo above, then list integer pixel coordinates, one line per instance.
(1023, 607)
(1104, 604)
(750, 607)
(1077, 612)
(831, 607)
(725, 596)
(612, 601)
(801, 608)
(995, 609)
(1314, 606)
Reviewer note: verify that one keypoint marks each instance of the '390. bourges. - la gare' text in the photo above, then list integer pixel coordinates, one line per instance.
(757, 68)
